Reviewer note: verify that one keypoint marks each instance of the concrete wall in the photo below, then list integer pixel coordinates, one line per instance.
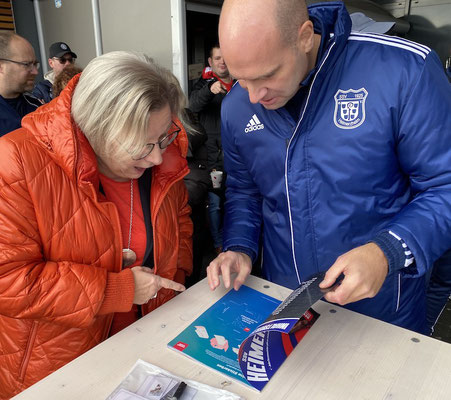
(139, 25)
(26, 25)
(431, 25)
(71, 23)
(430, 22)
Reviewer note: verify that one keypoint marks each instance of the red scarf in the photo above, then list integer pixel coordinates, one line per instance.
(208, 73)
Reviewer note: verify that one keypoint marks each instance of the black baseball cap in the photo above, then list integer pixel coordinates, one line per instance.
(58, 49)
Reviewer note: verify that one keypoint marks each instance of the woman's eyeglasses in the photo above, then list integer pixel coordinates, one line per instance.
(162, 143)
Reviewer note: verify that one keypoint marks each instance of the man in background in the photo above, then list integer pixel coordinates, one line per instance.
(18, 70)
(205, 99)
(60, 55)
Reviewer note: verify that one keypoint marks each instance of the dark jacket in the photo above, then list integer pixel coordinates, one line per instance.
(198, 180)
(208, 106)
(10, 118)
(43, 91)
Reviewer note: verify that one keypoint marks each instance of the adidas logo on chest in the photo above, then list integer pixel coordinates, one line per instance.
(254, 124)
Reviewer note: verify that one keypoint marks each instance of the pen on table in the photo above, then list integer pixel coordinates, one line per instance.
(178, 393)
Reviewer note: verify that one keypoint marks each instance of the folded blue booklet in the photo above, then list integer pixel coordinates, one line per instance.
(247, 335)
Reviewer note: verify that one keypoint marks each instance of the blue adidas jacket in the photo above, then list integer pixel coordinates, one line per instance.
(369, 153)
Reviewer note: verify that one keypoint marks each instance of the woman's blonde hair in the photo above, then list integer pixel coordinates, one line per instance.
(114, 96)
(183, 114)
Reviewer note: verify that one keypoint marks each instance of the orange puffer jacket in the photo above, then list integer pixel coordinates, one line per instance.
(61, 246)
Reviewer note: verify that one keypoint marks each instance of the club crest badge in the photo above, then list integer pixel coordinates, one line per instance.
(350, 108)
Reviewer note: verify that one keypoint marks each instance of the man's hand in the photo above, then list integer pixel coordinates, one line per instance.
(226, 264)
(365, 269)
(147, 284)
(217, 88)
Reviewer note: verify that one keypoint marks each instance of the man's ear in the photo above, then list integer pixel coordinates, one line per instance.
(305, 36)
(209, 61)
(51, 62)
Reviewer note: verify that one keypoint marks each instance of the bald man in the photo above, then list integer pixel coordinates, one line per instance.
(18, 70)
(336, 146)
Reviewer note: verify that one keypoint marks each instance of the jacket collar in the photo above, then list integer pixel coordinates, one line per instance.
(54, 128)
(50, 76)
(333, 22)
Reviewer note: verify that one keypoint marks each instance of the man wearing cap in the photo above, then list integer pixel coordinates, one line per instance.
(18, 70)
(60, 55)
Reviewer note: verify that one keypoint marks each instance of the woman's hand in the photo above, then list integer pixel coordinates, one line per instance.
(147, 284)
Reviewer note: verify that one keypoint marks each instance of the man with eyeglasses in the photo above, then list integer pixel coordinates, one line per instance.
(60, 55)
(18, 70)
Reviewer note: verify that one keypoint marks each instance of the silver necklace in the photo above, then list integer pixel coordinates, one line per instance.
(128, 255)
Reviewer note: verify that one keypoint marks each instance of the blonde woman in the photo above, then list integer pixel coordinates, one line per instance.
(94, 221)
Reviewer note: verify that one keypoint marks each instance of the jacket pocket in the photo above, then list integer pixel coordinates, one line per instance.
(28, 350)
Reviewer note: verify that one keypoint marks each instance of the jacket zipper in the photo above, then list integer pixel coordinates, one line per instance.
(286, 162)
(28, 350)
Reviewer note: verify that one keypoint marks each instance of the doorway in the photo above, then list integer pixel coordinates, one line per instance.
(201, 34)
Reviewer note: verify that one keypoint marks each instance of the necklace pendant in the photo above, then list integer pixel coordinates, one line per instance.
(128, 257)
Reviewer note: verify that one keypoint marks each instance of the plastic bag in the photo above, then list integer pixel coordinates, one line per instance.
(149, 382)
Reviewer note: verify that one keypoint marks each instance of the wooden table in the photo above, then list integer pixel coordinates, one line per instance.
(345, 355)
